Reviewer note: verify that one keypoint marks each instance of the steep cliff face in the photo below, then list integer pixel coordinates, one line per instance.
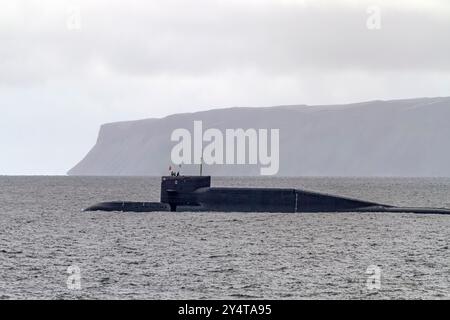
(377, 138)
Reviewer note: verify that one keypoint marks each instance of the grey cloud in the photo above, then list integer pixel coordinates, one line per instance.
(283, 41)
(178, 39)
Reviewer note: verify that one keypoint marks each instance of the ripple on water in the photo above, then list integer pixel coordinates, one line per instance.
(218, 255)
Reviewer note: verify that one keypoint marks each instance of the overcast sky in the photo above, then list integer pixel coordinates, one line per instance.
(66, 67)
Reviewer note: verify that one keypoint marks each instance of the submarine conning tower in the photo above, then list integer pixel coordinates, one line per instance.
(179, 190)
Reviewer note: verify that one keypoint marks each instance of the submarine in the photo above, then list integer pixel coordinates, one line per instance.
(194, 194)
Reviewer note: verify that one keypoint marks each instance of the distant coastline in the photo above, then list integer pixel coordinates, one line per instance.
(396, 138)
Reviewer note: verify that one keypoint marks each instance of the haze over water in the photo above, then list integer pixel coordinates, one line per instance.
(220, 255)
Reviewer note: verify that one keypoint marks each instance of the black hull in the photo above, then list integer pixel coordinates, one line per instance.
(194, 194)
(127, 206)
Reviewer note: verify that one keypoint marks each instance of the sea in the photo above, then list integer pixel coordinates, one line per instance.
(51, 249)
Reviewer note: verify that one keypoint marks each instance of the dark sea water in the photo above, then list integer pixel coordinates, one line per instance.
(220, 255)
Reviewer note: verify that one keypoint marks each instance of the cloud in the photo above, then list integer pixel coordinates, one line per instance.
(197, 37)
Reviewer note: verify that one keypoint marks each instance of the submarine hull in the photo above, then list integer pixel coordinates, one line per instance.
(127, 206)
(193, 194)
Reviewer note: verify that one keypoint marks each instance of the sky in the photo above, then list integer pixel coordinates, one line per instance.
(66, 67)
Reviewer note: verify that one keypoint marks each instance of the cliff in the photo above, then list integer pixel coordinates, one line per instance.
(376, 138)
